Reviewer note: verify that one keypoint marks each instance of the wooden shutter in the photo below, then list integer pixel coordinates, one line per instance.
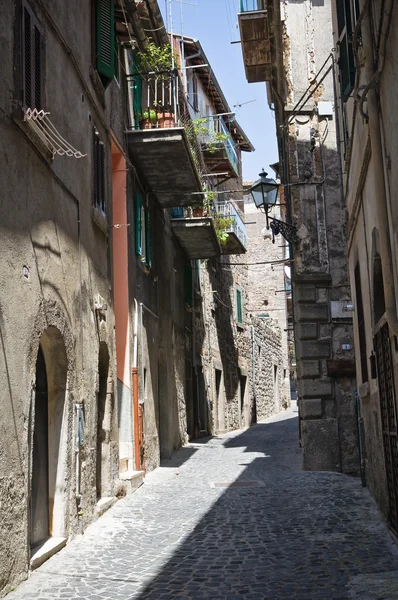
(148, 243)
(136, 84)
(346, 60)
(239, 312)
(105, 38)
(138, 225)
(32, 54)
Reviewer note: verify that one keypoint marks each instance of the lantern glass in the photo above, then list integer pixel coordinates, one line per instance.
(264, 192)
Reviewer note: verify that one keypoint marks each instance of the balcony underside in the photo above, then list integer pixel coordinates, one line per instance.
(233, 245)
(256, 48)
(164, 158)
(197, 237)
(219, 162)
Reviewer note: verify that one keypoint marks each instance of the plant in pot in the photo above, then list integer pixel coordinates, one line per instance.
(222, 226)
(148, 119)
(198, 210)
(165, 116)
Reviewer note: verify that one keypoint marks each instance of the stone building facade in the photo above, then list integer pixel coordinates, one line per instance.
(109, 345)
(58, 422)
(365, 38)
(293, 55)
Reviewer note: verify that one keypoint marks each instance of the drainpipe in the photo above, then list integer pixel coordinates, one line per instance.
(370, 94)
(137, 458)
(254, 369)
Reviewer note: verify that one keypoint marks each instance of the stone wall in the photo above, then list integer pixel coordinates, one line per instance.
(321, 288)
(56, 261)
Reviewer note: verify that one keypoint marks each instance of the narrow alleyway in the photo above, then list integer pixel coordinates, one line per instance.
(231, 517)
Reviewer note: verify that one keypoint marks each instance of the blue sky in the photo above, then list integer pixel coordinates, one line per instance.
(214, 24)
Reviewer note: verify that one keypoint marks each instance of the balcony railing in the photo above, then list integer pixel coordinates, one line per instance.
(251, 5)
(237, 241)
(224, 208)
(163, 137)
(216, 138)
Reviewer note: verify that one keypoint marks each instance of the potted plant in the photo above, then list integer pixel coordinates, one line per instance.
(165, 116)
(198, 210)
(157, 60)
(147, 119)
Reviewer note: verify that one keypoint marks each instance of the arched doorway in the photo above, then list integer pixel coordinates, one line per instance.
(40, 526)
(104, 420)
(48, 478)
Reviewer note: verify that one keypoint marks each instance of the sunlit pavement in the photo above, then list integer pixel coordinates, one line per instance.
(231, 517)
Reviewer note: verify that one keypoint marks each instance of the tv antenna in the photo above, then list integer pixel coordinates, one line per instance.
(240, 104)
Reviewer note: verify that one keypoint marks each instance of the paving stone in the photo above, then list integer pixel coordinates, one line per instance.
(298, 536)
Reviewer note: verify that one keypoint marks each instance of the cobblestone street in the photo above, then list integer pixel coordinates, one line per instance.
(277, 533)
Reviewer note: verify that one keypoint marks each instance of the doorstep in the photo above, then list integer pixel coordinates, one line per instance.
(41, 553)
(104, 504)
(133, 479)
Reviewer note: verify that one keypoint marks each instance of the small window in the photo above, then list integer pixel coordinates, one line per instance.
(143, 243)
(188, 284)
(105, 39)
(32, 57)
(99, 172)
(193, 91)
(361, 325)
(239, 309)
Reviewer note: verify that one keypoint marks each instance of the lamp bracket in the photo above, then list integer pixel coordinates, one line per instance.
(287, 230)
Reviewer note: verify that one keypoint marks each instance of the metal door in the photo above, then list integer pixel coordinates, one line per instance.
(388, 418)
(39, 495)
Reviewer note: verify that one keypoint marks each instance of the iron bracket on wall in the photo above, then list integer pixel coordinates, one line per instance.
(287, 231)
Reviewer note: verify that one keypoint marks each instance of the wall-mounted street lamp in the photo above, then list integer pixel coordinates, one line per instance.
(264, 192)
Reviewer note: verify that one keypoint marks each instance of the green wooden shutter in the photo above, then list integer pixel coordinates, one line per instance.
(138, 225)
(148, 250)
(105, 38)
(136, 84)
(239, 306)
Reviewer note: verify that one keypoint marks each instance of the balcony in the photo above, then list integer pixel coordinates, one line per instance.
(203, 235)
(236, 240)
(255, 38)
(162, 141)
(219, 150)
(196, 234)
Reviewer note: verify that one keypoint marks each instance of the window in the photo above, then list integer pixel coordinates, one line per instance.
(188, 284)
(346, 17)
(32, 57)
(105, 39)
(143, 244)
(239, 311)
(193, 91)
(99, 172)
(361, 325)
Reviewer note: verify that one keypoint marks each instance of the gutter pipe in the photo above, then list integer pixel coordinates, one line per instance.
(137, 457)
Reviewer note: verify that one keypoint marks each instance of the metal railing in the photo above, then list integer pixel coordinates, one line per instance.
(225, 208)
(221, 208)
(251, 5)
(157, 102)
(217, 137)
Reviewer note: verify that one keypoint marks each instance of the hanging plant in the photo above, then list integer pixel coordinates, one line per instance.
(222, 226)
